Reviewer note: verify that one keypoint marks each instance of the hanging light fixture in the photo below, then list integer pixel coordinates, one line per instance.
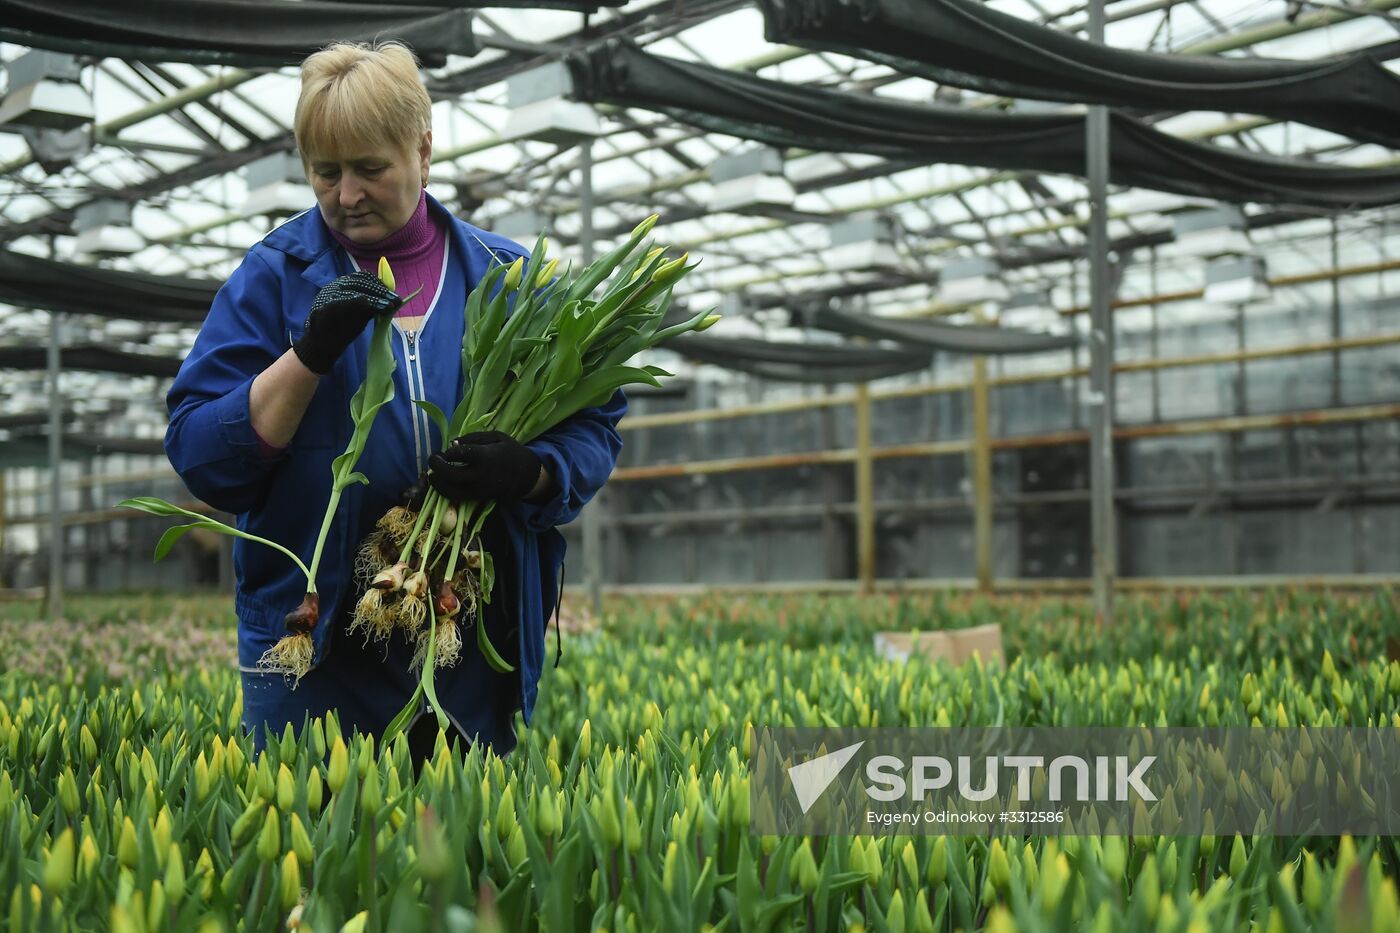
(276, 186)
(45, 92)
(862, 242)
(972, 281)
(751, 179)
(104, 229)
(1236, 280)
(540, 110)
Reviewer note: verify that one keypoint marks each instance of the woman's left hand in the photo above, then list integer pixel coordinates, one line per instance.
(484, 465)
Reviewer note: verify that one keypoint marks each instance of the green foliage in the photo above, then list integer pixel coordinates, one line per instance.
(137, 803)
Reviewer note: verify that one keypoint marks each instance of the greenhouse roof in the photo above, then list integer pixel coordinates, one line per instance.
(175, 140)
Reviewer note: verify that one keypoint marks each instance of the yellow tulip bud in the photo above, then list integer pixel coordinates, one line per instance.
(301, 841)
(386, 274)
(270, 839)
(126, 844)
(204, 871)
(707, 322)
(910, 861)
(855, 858)
(669, 271)
(175, 872)
(201, 778)
(245, 824)
(999, 867)
(121, 921)
(286, 789)
(290, 879)
(546, 273)
(643, 228)
(938, 861)
(1312, 883)
(314, 790)
(585, 742)
(1238, 858)
(356, 924)
(340, 765)
(371, 797)
(267, 781)
(162, 835)
(505, 813)
(431, 847)
(155, 911)
(87, 858)
(894, 916)
(68, 792)
(803, 867)
(234, 759)
(58, 867)
(88, 743)
(1115, 857)
(516, 853)
(874, 866)
(513, 275)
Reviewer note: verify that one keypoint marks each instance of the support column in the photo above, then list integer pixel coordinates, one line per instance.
(4, 514)
(1336, 323)
(1100, 351)
(591, 517)
(1156, 334)
(54, 596)
(865, 492)
(981, 469)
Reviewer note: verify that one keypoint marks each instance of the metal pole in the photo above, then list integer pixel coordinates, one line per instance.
(591, 519)
(1100, 350)
(4, 505)
(55, 593)
(1336, 325)
(981, 472)
(1156, 341)
(865, 492)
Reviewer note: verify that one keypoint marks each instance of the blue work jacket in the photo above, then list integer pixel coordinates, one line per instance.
(256, 316)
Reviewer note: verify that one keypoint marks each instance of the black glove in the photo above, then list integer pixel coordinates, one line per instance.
(484, 465)
(339, 315)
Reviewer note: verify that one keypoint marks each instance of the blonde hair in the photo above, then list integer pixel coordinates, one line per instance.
(354, 94)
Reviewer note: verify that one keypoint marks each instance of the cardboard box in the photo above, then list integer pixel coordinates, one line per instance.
(957, 646)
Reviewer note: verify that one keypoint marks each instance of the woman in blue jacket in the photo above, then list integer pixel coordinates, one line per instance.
(260, 409)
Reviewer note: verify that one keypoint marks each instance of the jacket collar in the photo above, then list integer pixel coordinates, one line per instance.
(306, 237)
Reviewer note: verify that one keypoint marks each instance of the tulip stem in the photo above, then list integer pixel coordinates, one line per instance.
(429, 500)
(370, 886)
(254, 906)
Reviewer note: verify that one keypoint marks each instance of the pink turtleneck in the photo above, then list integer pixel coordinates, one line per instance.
(415, 252)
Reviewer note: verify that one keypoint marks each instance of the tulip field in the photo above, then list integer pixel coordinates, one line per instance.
(130, 800)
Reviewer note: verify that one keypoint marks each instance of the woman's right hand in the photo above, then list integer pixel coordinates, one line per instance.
(339, 315)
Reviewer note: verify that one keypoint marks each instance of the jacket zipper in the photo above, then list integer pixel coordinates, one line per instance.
(417, 390)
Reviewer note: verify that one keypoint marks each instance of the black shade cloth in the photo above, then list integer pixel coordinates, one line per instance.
(30, 419)
(969, 44)
(800, 362)
(771, 112)
(934, 334)
(90, 358)
(32, 282)
(32, 450)
(244, 33)
(578, 6)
